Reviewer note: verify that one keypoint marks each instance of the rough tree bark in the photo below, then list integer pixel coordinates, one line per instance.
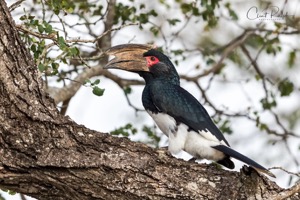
(48, 156)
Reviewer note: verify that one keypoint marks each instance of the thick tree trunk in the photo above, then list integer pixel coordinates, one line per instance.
(48, 156)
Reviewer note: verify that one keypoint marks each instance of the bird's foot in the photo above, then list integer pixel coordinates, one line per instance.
(192, 160)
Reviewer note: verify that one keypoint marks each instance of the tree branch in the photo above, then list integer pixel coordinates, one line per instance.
(62, 94)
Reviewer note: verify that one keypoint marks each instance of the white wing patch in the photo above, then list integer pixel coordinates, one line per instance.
(201, 147)
(209, 136)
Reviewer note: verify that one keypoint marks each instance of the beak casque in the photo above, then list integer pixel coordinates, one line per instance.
(128, 57)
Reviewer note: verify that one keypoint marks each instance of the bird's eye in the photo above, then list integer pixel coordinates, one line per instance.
(151, 60)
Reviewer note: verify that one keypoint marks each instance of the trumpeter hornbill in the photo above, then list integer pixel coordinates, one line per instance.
(176, 112)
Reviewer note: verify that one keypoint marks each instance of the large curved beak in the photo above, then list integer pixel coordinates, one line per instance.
(128, 57)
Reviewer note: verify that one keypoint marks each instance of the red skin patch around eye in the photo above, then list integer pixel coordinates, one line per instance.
(151, 60)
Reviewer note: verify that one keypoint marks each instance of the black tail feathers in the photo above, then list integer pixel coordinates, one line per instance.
(232, 153)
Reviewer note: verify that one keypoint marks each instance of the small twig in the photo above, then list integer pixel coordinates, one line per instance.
(281, 125)
(284, 32)
(136, 109)
(255, 66)
(286, 171)
(36, 34)
(15, 5)
(63, 26)
(54, 37)
(218, 111)
(175, 35)
(290, 153)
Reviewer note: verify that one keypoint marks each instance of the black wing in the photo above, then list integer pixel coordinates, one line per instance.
(180, 104)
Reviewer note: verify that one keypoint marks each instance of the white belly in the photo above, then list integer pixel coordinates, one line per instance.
(176, 135)
(199, 145)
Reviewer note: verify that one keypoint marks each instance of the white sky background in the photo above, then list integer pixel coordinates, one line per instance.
(111, 111)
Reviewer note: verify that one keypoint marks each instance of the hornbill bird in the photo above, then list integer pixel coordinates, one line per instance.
(177, 113)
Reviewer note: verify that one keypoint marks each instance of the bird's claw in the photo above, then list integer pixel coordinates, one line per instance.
(192, 160)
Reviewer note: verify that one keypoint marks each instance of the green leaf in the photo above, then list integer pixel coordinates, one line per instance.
(186, 7)
(64, 60)
(272, 46)
(98, 91)
(30, 17)
(177, 52)
(153, 13)
(195, 11)
(86, 81)
(285, 87)
(154, 30)
(257, 77)
(33, 48)
(210, 61)
(212, 21)
(41, 28)
(155, 139)
(34, 22)
(231, 12)
(42, 67)
(263, 126)
(54, 68)
(233, 15)
(23, 17)
(255, 41)
(70, 9)
(48, 28)
(42, 43)
(266, 104)
(126, 130)
(12, 192)
(143, 18)
(225, 126)
(98, 11)
(173, 21)
(74, 51)
(56, 11)
(292, 58)
(61, 43)
(96, 82)
(142, 6)
(127, 90)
